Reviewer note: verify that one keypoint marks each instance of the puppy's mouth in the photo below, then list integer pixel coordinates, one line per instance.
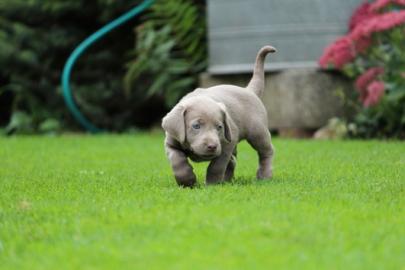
(204, 155)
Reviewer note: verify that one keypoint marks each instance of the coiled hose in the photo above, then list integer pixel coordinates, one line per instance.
(66, 90)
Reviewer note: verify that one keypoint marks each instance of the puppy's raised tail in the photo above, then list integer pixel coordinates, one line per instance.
(256, 84)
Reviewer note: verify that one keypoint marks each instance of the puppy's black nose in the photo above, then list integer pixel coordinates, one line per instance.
(212, 147)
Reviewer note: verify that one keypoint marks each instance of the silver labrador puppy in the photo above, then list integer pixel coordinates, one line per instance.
(207, 124)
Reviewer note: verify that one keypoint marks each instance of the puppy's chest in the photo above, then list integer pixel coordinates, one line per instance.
(195, 157)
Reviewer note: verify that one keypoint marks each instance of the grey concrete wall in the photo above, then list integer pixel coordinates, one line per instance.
(296, 98)
(299, 29)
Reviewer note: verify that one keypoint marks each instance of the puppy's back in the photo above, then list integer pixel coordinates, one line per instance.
(244, 106)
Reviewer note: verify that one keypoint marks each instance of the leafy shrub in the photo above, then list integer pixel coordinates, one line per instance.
(170, 51)
(373, 53)
(36, 38)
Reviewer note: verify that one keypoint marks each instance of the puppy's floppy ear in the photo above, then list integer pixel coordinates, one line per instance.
(227, 123)
(174, 123)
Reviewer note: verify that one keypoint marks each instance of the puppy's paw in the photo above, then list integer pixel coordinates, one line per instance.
(214, 181)
(186, 182)
(264, 173)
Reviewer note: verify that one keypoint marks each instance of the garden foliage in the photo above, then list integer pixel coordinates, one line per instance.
(170, 51)
(373, 53)
(37, 36)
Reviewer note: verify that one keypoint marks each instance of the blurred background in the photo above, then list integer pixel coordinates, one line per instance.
(339, 70)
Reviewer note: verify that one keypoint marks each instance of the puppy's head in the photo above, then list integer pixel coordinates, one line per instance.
(200, 123)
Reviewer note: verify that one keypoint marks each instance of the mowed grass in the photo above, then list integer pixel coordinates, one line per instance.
(110, 202)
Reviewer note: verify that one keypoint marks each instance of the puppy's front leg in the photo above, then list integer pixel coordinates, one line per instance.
(216, 169)
(183, 172)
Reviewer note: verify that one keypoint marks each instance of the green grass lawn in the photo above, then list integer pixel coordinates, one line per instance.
(111, 202)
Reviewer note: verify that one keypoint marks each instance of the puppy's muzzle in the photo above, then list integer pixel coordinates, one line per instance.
(212, 148)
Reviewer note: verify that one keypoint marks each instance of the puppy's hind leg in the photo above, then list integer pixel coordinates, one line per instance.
(230, 169)
(261, 142)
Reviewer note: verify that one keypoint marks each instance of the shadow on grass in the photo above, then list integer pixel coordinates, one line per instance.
(245, 181)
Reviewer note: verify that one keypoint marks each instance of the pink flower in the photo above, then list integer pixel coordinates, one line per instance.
(376, 24)
(367, 77)
(362, 44)
(375, 91)
(338, 53)
(380, 4)
(363, 12)
(364, 23)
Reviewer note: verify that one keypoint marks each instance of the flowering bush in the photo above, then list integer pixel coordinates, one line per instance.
(373, 53)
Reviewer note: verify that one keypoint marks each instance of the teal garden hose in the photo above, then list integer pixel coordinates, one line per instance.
(66, 90)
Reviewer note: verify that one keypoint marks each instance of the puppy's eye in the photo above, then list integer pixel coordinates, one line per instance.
(219, 127)
(196, 126)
